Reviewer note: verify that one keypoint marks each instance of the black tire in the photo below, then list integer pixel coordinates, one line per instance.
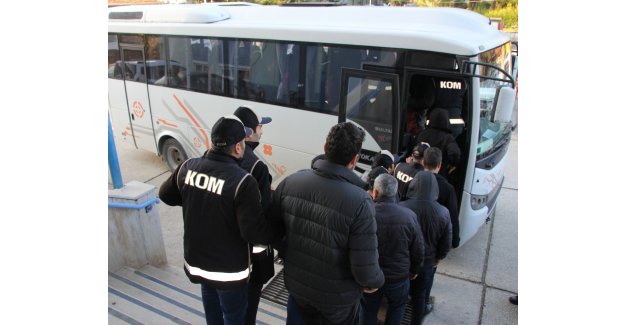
(173, 154)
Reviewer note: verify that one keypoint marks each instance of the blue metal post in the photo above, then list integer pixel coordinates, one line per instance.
(116, 174)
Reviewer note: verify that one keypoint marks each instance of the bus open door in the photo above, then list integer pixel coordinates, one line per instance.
(366, 98)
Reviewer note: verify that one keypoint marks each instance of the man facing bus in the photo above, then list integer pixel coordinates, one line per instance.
(262, 256)
(401, 252)
(331, 254)
(222, 213)
(436, 227)
(405, 172)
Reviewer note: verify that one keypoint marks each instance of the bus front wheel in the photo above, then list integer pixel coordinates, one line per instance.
(173, 154)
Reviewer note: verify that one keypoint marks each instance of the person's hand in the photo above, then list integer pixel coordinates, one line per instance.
(370, 290)
(413, 276)
(436, 262)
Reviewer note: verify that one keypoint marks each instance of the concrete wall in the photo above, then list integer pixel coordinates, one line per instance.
(135, 236)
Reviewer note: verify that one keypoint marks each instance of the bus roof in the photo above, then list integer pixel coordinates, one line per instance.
(446, 30)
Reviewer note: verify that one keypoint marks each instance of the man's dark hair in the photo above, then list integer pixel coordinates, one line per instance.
(226, 150)
(381, 159)
(373, 174)
(432, 158)
(343, 142)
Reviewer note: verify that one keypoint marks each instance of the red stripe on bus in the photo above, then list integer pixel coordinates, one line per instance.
(167, 123)
(193, 120)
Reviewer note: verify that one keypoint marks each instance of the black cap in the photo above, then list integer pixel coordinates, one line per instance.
(419, 150)
(394, 158)
(229, 130)
(249, 118)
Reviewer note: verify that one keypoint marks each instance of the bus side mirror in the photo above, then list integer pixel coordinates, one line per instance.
(504, 102)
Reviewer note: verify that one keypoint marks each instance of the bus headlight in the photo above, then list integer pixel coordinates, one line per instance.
(478, 201)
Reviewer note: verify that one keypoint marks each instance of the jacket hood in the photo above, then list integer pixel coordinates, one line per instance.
(423, 187)
(439, 119)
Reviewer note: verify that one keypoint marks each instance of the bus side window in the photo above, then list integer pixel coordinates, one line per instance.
(264, 72)
(215, 66)
(197, 74)
(239, 59)
(316, 70)
(338, 58)
(155, 57)
(288, 65)
(114, 58)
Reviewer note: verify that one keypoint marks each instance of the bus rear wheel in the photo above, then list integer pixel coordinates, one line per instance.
(173, 154)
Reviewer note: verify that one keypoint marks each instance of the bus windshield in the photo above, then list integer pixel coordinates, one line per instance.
(492, 131)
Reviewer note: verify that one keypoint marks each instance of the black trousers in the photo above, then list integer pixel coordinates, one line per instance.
(253, 298)
(312, 315)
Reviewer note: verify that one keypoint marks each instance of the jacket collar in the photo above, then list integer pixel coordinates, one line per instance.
(220, 157)
(251, 145)
(331, 170)
(386, 199)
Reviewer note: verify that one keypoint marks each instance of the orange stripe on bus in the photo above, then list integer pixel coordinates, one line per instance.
(193, 120)
(167, 123)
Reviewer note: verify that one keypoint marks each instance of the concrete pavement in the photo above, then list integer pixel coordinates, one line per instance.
(473, 283)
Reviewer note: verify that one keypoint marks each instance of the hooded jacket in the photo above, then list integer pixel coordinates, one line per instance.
(438, 134)
(331, 252)
(447, 198)
(433, 218)
(400, 241)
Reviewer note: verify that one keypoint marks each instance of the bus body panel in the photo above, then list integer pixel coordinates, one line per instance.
(471, 220)
(192, 115)
(118, 107)
(487, 181)
(446, 30)
(140, 115)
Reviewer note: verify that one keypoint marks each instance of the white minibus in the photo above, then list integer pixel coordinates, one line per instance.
(383, 68)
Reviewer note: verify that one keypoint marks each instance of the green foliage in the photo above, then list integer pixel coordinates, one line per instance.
(504, 9)
(509, 15)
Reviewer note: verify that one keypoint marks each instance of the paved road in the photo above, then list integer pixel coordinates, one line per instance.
(472, 284)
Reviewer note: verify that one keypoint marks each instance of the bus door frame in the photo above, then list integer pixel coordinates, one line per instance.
(139, 110)
(393, 79)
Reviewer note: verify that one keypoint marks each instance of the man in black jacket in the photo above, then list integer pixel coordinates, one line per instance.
(432, 161)
(436, 227)
(400, 245)
(331, 254)
(262, 256)
(438, 134)
(405, 172)
(222, 214)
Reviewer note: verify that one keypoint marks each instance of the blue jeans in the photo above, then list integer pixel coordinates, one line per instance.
(419, 289)
(224, 307)
(397, 296)
(429, 287)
